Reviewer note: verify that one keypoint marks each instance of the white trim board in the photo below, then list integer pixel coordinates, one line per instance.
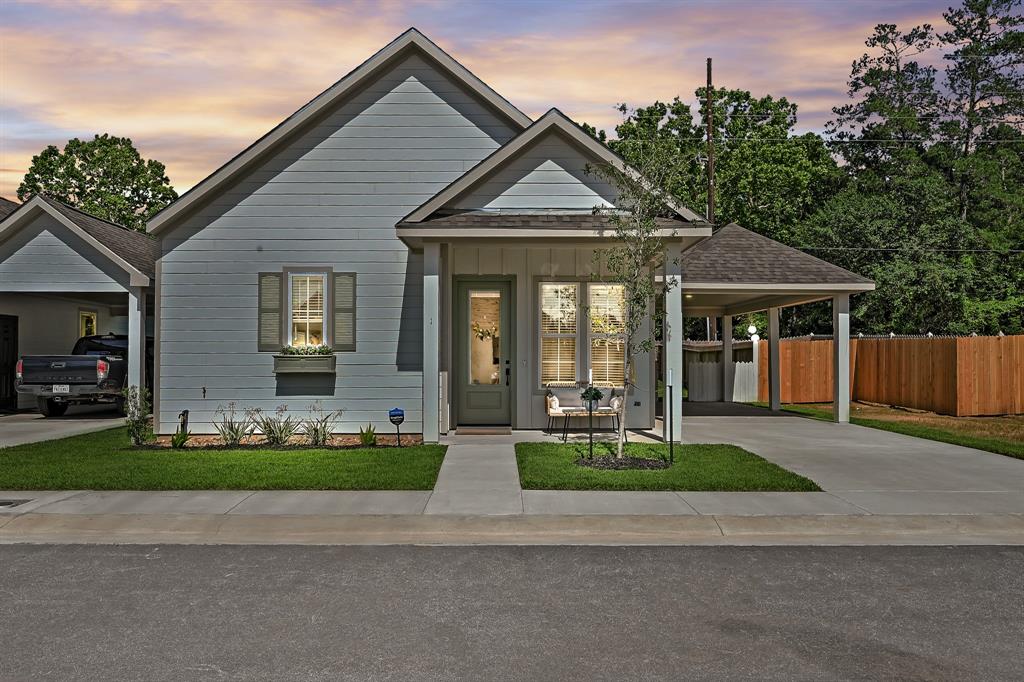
(553, 121)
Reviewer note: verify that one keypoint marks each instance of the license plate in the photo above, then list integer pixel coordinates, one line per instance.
(61, 388)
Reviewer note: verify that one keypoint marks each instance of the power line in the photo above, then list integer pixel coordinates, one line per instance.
(912, 250)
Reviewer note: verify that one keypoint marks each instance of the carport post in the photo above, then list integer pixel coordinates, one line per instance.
(774, 389)
(841, 358)
(136, 336)
(728, 369)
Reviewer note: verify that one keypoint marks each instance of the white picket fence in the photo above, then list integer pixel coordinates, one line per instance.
(704, 381)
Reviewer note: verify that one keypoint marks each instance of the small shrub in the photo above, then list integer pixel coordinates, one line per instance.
(277, 428)
(319, 426)
(180, 439)
(307, 350)
(368, 436)
(232, 427)
(136, 414)
(591, 393)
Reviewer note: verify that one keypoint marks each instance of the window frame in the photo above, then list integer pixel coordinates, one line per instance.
(326, 275)
(577, 359)
(592, 335)
(82, 314)
(583, 334)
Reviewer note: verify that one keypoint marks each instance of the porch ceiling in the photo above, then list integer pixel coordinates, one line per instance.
(713, 302)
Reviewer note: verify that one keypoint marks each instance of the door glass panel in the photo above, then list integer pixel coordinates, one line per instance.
(484, 337)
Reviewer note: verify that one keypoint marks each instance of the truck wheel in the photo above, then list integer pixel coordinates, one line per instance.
(119, 406)
(51, 408)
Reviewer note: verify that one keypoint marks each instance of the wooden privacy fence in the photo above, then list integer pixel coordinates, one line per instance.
(961, 376)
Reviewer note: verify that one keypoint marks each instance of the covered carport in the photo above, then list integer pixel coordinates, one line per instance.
(736, 271)
(65, 274)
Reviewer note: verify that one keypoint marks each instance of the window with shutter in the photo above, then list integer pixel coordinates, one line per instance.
(558, 329)
(344, 311)
(270, 306)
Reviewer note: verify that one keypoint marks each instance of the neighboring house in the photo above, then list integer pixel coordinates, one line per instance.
(65, 274)
(443, 244)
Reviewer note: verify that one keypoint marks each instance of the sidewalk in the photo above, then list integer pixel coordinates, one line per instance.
(881, 488)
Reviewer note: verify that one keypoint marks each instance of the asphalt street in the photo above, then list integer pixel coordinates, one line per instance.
(531, 613)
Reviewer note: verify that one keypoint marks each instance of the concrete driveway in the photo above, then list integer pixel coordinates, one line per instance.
(878, 471)
(31, 427)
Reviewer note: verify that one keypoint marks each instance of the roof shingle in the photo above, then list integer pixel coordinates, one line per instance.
(734, 254)
(7, 207)
(530, 221)
(138, 249)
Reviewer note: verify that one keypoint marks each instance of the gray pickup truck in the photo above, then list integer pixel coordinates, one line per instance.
(94, 373)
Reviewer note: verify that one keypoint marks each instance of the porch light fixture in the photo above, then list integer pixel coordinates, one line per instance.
(751, 330)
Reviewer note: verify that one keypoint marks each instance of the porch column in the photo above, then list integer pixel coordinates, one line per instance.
(431, 341)
(673, 341)
(841, 358)
(728, 369)
(136, 336)
(774, 388)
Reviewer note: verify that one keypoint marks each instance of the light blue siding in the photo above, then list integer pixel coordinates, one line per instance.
(330, 197)
(43, 248)
(550, 174)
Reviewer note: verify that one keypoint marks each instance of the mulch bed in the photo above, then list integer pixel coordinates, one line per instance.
(613, 464)
(341, 441)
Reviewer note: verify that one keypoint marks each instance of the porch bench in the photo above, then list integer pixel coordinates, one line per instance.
(564, 402)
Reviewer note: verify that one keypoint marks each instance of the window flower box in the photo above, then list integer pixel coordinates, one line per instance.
(305, 364)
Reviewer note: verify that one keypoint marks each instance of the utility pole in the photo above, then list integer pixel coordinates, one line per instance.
(712, 325)
(711, 147)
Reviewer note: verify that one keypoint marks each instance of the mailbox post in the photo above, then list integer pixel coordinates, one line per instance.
(397, 416)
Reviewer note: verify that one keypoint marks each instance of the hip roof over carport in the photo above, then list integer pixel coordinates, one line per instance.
(736, 271)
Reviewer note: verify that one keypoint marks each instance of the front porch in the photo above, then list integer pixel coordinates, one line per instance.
(731, 273)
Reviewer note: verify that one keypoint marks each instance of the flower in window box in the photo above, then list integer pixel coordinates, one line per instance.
(307, 350)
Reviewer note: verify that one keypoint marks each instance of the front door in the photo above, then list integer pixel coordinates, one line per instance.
(484, 349)
(8, 361)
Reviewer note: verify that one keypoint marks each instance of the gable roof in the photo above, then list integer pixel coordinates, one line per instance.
(132, 251)
(737, 256)
(411, 40)
(553, 121)
(7, 207)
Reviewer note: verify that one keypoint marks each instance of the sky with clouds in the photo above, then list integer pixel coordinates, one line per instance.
(193, 82)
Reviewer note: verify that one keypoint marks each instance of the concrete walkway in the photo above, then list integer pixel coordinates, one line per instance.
(478, 476)
(32, 427)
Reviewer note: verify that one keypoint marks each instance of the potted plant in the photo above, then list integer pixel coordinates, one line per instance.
(591, 395)
(305, 360)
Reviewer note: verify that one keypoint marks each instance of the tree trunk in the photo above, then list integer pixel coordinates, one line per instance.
(620, 447)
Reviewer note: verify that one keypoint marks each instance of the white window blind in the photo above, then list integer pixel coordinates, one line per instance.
(558, 329)
(606, 312)
(306, 326)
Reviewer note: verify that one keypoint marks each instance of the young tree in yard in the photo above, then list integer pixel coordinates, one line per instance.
(639, 248)
(105, 176)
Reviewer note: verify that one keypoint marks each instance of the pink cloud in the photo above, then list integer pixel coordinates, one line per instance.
(194, 82)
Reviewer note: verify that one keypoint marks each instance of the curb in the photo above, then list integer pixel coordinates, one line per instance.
(210, 529)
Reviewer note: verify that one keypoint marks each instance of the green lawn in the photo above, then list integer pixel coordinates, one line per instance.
(551, 466)
(103, 461)
(1002, 446)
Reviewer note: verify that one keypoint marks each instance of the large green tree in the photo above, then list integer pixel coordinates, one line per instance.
(105, 176)
(767, 177)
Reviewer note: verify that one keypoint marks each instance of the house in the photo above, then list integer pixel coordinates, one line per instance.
(66, 274)
(443, 244)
